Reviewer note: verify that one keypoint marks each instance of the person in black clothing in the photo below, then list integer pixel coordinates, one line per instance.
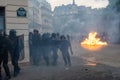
(54, 48)
(36, 46)
(58, 36)
(46, 47)
(64, 46)
(14, 51)
(4, 49)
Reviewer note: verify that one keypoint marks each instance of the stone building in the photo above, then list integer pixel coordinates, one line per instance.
(46, 16)
(63, 15)
(13, 15)
(34, 15)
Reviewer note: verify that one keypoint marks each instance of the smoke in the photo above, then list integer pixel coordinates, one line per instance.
(104, 21)
(113, 22)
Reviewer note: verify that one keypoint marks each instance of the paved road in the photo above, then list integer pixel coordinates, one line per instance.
(108, 55)
(86, 65)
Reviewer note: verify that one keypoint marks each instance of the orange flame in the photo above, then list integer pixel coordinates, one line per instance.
(92, 42)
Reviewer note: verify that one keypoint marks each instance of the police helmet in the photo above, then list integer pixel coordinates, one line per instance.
(35, 30)
(12, 32)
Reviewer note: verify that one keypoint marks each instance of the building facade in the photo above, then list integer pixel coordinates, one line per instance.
(13, 15)
(68, 10)
(46, 16)
(63, 15)
(34, 14)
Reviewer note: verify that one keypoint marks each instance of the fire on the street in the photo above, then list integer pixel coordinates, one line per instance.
(93, 42)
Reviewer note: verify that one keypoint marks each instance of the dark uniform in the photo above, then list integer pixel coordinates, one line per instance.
(36, 47)
(54, 48)
(46, 47)
(4, 48)
(64, 45)
(14, 51)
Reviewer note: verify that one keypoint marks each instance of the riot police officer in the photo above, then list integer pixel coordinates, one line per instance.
(14, 51)
(36, 44)
(46, 47)
(4, 48)
(64, 46)
(54, 48)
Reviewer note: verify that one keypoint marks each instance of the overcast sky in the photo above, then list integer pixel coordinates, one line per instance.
(88, 3)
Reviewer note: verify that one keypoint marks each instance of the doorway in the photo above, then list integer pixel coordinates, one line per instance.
(2, 18)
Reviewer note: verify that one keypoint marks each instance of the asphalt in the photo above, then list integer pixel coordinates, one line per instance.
(102, 64)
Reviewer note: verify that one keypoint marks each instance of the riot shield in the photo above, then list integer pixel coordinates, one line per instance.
(21, 47)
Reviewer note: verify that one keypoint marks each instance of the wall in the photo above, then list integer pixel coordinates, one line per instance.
(20, 24)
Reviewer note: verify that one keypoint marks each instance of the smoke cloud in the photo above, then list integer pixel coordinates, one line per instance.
(104, 21)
